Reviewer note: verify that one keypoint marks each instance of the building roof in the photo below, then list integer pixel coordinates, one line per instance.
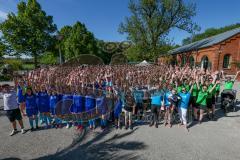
(206, 42)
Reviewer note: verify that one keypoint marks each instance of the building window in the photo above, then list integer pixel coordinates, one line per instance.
(183, 62)
(191, 61)
(204, 63)
(226, 61)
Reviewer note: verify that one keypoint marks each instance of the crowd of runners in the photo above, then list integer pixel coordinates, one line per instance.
(100, 95)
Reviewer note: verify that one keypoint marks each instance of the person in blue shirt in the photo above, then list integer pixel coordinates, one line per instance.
(44, 105)
(78, 107)
(67, 101)
(138, 97)
(21, 89)
(183, 106)
(31, 108)
(156, 104)
(167, 105)
(119, 102)
(90, 104)
(101, 108)
(54, 100)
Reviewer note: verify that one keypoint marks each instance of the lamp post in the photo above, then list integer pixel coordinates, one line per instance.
(59, 38)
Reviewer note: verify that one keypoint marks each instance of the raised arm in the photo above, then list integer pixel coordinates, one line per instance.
(236, 76)
(197, 82)
(190, 91)
(218, 82)
(223, 76)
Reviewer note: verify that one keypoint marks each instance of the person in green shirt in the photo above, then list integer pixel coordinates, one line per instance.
(202, 98)
(211, 98)
(186, 84)
(229, 82)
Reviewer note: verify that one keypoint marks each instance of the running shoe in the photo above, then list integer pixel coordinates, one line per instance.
(13, 132)
(23, 131)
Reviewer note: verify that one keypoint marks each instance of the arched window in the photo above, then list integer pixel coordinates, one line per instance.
(227, 61)
(204, 62)
(184, 60)
(191, 61)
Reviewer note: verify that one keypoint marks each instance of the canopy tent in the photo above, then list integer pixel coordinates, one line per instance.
(143, 63)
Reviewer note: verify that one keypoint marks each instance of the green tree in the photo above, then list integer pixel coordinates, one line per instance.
(208, 33)
(80, 41)
(48, 58)
(102, 53)
(151, 21)
(62, 36)
(30, 31)
(2, 48)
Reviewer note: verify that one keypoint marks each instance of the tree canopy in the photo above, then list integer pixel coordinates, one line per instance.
(30, 31)
(151, 21)
(79, 41)
(209, 32)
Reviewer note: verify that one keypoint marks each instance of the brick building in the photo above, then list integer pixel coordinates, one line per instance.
(220, 52)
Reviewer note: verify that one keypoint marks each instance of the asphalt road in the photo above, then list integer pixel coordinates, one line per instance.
(212, 140)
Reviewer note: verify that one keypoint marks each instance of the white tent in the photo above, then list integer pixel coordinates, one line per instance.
(143, 63)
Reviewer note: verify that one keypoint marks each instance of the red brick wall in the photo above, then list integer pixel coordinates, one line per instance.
(216, 54)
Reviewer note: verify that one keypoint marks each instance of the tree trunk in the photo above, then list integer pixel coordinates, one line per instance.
(35, 61)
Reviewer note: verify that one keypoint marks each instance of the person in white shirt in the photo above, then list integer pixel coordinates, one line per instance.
(12, 109)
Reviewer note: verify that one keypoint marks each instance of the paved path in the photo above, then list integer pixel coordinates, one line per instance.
(213, 140)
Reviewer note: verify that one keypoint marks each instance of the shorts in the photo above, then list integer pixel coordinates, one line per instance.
(31, 112)
(53, 111)
(145, 101)
(44, 109)
(213, 100)
(193, 101)
(128, 109)
(102, 109)
(204, 107)
(139, 107)
(14, 114)
(20, 100)
(118, 109)
(170, 107)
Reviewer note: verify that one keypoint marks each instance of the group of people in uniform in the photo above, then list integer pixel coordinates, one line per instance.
(102, 94)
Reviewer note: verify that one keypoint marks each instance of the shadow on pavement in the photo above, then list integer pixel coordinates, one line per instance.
(99, 149)
(10, 159)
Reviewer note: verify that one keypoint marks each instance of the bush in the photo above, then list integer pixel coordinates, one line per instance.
(5, 78)
(84, 59)
(15, 64)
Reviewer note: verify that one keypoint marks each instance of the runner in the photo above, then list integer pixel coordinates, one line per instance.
(202, 98)
(90, 104)
(184, 104)
(128, 109)
(20, 96)
(156, 103)
(102, 108)
(167, 105)
(31, 108)
(54, 100)
(138, 98)
(43, 106)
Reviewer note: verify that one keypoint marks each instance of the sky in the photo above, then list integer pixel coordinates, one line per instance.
(102, 17)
